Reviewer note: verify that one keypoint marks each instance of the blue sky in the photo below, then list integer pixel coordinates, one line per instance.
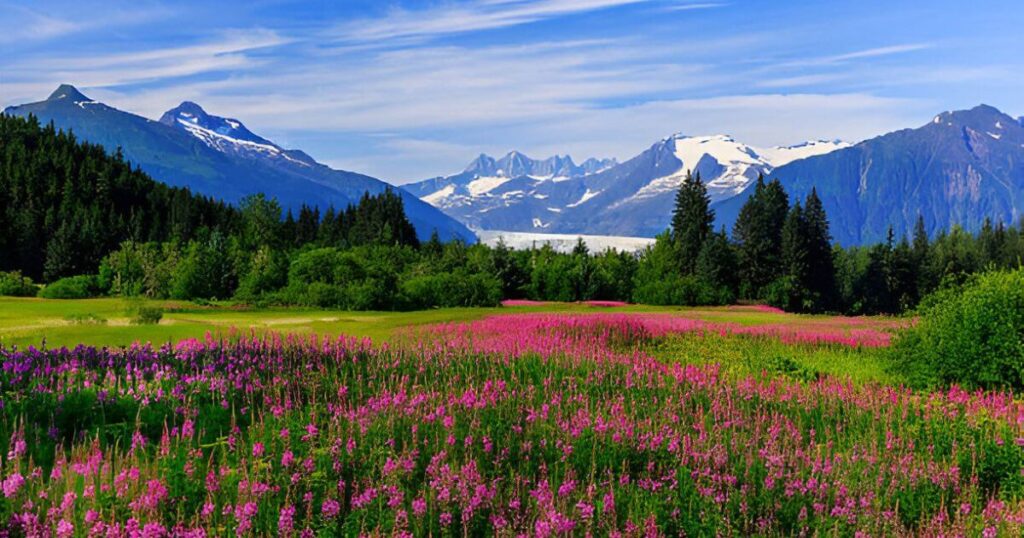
(407, 90)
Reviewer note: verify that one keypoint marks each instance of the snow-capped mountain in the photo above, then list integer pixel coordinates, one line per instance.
(220, 157)
(728, 166)
(229, 136)
(634, 198)
(489, 183)
(958, 169)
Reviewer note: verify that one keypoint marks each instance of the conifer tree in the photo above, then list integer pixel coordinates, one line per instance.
(716, 267)
(758, 233)
(692, 219)
(821, 269)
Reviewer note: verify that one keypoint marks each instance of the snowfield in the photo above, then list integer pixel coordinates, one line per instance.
(562, 242)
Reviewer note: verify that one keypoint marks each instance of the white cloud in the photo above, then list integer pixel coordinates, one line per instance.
(228, 53)
(465, 17)
(858, 55)
(21, 23)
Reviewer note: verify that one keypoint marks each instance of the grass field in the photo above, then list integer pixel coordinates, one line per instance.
(107, 322)
(26, 321)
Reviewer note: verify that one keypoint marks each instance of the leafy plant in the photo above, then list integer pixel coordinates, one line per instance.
(14, 284)
(971, 335)
(72, 287)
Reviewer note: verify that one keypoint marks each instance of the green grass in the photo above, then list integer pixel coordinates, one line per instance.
(28, 321)
(741, 356)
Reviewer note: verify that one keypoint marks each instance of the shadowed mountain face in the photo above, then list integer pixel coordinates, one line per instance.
(220, 157)
(959, 169)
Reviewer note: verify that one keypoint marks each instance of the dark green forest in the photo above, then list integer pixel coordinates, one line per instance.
(87, 223)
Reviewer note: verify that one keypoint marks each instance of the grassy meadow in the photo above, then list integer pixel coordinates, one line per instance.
(533, 419)
(108, 322)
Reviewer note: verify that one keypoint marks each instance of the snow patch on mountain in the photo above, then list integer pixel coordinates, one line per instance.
(586, 196)
(225, 143)
(485, 185)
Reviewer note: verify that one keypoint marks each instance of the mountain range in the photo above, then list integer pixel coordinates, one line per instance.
(957, 170)
(220, 157)
(602, 196)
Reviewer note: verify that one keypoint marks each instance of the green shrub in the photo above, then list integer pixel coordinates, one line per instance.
(972, 335)
(148, 315)
(15, 285)
(451, 290)
(72, 287)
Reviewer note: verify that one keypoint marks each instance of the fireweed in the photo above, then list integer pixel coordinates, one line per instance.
(540, 425)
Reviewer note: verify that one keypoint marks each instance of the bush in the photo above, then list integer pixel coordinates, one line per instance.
(971, 335)
(451, 290)
(15, 285)
(72, 287)
(148, 315)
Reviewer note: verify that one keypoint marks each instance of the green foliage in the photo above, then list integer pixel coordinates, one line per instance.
(65, 204)
(658, 281)
(972, 335)
(758, 234)
(148, 315)
(145, 269)
(205, 270)
(717, 268)
(72, 287)
(14, 284)
(692, 219)
(452, 289)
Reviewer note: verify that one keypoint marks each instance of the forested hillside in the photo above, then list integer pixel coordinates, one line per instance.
(65, 204)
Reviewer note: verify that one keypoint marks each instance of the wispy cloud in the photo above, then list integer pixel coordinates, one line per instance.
(858, 55)
(21, 23)
(227, 53)
(465, 17)
(694, 6)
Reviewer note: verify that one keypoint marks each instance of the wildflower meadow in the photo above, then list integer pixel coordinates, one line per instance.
(515, 424)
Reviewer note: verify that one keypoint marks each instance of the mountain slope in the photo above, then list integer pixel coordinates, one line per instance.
(221, 158)
(958, 169)
(633, 198)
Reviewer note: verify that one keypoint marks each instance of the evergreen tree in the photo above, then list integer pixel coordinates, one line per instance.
(758, 233)
(922, 258)
(821, 269)
(692, 219)
(717, 268)
(792, 292)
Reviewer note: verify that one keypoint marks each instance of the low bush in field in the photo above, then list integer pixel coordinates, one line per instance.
(72, 287)
(14, 284)
(148, 315)
(972, 335)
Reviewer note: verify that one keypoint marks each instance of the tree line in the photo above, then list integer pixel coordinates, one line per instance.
(781, 253)
(88, 223)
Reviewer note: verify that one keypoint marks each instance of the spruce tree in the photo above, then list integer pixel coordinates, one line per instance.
(691, 221)
(758, 234)
(821, 269)
(793, 293)
(717, 267)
